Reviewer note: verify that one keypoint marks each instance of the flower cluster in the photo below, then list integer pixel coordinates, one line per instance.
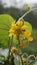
(23, 34)
(14, 50)
(19, 28)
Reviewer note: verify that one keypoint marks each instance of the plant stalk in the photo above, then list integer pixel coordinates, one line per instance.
(10, 45)
(26, 13)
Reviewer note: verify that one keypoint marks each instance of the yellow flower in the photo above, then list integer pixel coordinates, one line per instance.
(23, 34)
(14, 27)
(19, 28)
(27, 33)
(12, 30)
(11, 34)
(19, 23)
(24, 27)
(30, 38)
(14, 50)
(22, 44)
(17, 36)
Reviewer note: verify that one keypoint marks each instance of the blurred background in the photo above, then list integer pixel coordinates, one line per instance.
(16, 8)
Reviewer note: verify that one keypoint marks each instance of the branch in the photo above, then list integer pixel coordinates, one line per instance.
(26, 13)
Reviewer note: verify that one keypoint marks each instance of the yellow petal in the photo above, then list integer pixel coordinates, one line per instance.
(10, 30)
(19, 23)
(11, 34)
(23, 27)
(22, 44)
(30, 39)
(27, 33)
(14, 27)
(23, 34)
(14, 50)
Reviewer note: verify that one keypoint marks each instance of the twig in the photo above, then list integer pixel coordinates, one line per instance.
(26, 13)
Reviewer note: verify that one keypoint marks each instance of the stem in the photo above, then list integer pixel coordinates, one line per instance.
(26, 13)
(10, 45)
(20, 55)
(19, 39)
(28, 43)
(22, 61)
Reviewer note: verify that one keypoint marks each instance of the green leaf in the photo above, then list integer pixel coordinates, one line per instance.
(32, 63)
(15, 41)
(5, 22)
(26, 6)
(25, 55)
(29, 26)
(2, 57)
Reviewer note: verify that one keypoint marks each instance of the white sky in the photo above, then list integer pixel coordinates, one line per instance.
(27, 1)
(18, 3)
(31, 1)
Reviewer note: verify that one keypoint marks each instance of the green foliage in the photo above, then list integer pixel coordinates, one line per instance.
(26, 6)
(2, 58)
(32, 63)
(5, 22)
(29, 26)
(15, 41)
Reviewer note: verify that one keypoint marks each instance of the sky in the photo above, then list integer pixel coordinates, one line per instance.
(31, 1)
(18, 3)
